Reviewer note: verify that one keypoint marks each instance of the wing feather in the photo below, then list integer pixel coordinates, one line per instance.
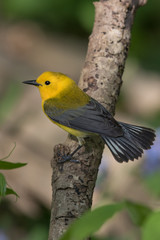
(92, 117)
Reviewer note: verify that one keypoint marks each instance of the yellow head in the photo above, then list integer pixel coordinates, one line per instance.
(52, 84)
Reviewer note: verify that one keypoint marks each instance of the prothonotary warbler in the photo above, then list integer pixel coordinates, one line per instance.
(76, 112)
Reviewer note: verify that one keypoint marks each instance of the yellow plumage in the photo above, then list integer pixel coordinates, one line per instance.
(66, 96)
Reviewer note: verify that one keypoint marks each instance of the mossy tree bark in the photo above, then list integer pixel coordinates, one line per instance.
(101, 78)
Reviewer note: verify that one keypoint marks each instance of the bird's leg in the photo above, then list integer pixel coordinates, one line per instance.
(71, 155)
(66, 158)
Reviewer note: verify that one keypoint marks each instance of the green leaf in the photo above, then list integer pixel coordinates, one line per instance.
(151, 229)
(2, 185)
(137, 212)
(11, 191)
(5, 165)
(90, 222)
(10, 165)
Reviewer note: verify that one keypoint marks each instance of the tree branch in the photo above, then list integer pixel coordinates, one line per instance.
(100, 78)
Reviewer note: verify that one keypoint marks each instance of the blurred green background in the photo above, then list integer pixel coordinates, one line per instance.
(37, 36)
(76, 18)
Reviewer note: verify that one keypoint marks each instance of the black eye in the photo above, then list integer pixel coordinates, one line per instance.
(47, 82)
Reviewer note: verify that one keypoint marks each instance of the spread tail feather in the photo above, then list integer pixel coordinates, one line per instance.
(130, 146)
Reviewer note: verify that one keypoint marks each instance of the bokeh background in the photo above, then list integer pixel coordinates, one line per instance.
(36, 36)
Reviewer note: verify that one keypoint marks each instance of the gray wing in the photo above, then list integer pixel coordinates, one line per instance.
(92, 117)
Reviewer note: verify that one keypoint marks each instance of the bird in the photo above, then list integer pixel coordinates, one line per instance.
(69, 107)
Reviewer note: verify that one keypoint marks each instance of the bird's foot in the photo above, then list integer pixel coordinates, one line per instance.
(67, 158)
(64, 159)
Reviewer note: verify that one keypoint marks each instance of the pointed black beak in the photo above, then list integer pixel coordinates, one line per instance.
(32, 82)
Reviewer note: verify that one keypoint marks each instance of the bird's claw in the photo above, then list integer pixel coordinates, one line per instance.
(67, 158)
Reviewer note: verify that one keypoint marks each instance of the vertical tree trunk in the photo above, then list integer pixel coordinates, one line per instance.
(101, 78)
